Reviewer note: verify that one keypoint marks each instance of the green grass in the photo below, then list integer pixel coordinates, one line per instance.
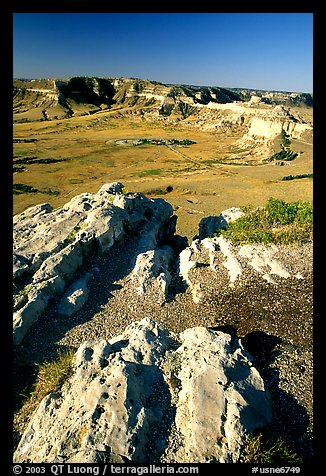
(144, 173)
(262, 450)
(279, 223)
(52, 375)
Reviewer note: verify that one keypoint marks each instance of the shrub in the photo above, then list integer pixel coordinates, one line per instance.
(19, 188)
(166, 109)
(285, 139)
(293, 177)
(284, 154)
(279, 222)
(280, 212)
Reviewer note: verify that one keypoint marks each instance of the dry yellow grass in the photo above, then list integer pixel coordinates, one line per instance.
(93, 157)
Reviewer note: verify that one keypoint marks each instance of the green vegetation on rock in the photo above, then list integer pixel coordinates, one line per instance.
(286, 153)
(279, 223)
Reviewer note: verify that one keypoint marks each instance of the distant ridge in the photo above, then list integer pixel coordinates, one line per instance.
(55, 98)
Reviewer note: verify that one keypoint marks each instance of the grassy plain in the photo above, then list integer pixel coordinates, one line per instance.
(94, 153)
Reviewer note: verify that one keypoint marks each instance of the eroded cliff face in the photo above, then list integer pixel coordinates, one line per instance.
(209, 108)
(270, 124)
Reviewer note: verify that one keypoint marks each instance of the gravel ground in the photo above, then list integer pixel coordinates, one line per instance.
(275, 322)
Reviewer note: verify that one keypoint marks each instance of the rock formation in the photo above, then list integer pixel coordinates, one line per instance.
(217, 260)
(149, 395)
(51, 247)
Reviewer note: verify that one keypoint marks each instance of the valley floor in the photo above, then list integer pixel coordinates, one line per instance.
(88, 152)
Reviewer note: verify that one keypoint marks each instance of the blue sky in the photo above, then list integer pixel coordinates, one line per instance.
(249, 50)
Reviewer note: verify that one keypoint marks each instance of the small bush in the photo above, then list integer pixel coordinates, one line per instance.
(279, 222)
(156, 191)
(285, 139)
(18, 168)
(19, 188)
(186, 110)
(166, 109)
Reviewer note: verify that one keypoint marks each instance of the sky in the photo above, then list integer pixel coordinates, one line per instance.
(271, 51)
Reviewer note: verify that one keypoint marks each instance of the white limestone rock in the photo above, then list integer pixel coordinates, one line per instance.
(128, 396)
(222, 397)
(50, 246)
(152, 268)
(75, 296)
(214, 262)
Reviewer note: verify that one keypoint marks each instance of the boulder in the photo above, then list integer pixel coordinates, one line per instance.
(209, 225)
(75, 296)
(153, 266)
(149, 395)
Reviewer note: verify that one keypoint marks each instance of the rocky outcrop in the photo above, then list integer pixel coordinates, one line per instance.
(269, 124)
(210, 263)
(51, 246)
(149, 395)
(75, 296)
